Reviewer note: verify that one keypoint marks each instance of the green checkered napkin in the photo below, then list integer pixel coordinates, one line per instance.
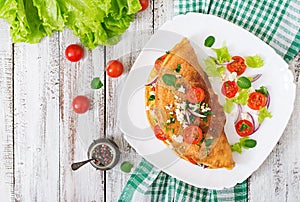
(275, 22)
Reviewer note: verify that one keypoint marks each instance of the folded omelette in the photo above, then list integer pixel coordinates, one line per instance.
(184, 111)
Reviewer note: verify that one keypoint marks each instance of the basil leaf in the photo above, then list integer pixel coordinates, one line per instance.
(209, 41)
(169, 79)
(243, 82)
(96, 83)
(126, 167)
(249, 143)
(263, 90)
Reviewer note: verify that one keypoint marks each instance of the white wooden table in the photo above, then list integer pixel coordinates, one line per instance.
(40, 135)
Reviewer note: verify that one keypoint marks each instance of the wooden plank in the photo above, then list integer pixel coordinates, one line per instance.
(278, 179)
(36, 121)
(135, 39)
(78, 131)
(6, 114)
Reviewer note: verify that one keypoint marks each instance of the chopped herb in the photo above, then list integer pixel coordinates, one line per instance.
(167, 52)
(178, 68)
(96, 83)
(243, 127)
(226, 84)
(207, 113)
(204, 119)
(209, 41)
(151, 98)
(173, 130)
(192, 118)
(177, 85)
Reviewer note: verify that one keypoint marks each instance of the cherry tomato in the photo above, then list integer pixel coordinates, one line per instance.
(244, 128)
(159, 61)
(192, 160)
(192, 135)
(195, 95)
(256, 100)
(81, 104)
(74, 52)
(229, 88)
(144, 4)
(114, 68)
(159, 133)
(238, 65)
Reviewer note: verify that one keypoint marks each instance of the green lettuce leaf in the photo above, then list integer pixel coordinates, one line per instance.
(222, 54)
(95, 22)
(242, 97)
(211, 67)
(228, 106)
(254, 61)
(262, 114)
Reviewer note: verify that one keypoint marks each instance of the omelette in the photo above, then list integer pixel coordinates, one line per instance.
(184, 111)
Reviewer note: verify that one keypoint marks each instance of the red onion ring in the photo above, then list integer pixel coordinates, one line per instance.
(152, 82)
(239, 114)
(256, 77)
(268, 100)
(196, 114)
(256, 128)
(252, 120)
(187, 114)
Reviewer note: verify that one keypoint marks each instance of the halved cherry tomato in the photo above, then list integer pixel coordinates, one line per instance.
(244, 128)
(192, 160)
(229, 88)
(114, 68)
(74, 52)
(80, 104)
(159, 133)
(238, 65)
(257, 100)
(195, 95)
(159, 61)
(192, 135)
(144, 4)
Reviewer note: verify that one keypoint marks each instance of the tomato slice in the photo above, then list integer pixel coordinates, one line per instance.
(159, 134)
(192, 135)
(257, 100)
(159, 61)
(195, 95)
(229, 89)
(192, 160)
(244, 128)
(144, 4)
(238, 65)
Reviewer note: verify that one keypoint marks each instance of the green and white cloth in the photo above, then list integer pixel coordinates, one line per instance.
(275, 22)
(148, 183)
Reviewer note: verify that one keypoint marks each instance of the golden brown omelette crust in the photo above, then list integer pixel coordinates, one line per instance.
(220, 155)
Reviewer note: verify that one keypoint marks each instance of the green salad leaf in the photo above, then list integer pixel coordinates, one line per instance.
(254, 61)
(242, 97)
(211, 67)
(263, 113)
(222, 54)
(95, 22)
(228, 106)
(263, 90)
(245, 143)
